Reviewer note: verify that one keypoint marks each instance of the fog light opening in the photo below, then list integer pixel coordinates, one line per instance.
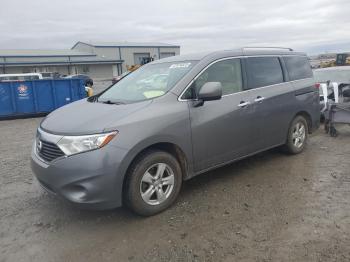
(77, 193)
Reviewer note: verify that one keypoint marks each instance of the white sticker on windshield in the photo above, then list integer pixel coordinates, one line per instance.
(181, 65)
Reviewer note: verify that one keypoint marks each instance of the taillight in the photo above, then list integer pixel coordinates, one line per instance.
(317, 85)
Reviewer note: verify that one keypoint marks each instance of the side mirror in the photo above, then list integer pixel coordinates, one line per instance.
(210, 91)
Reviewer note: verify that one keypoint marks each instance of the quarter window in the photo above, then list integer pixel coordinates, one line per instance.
(298, 67)
(227, 72)
(263, 71)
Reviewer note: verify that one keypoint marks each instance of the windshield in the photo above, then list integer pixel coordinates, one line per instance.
(149, 81)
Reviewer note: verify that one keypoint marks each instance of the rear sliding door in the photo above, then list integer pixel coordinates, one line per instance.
(272, 100)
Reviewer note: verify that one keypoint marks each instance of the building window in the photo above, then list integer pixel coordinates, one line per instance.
(166, 54)
(142, 58)
(26, 70)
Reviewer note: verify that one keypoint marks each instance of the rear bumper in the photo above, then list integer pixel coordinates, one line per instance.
(90, 180)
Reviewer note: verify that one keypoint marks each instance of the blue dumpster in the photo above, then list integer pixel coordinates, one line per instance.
(38, 97)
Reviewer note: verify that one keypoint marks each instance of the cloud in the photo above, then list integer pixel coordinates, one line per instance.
(196, 25)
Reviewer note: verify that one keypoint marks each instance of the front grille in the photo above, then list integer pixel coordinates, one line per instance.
(49, 151)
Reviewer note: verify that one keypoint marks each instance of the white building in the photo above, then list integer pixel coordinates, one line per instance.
(98, 60)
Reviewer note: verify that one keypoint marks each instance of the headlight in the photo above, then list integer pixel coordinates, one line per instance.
(76, 144)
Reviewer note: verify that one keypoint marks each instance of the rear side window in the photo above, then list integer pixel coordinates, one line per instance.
(263, 71)
(298, 67)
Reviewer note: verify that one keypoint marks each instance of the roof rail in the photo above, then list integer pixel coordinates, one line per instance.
(267, 47)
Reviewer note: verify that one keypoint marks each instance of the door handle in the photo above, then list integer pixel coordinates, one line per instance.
(259, 99)
(243, 104)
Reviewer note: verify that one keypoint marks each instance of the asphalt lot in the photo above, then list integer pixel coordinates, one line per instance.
(270, 207)
(100, 85)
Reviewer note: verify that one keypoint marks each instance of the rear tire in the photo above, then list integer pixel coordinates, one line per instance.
(297, 136)
(153, 183)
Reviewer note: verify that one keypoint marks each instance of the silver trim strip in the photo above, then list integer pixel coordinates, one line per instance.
(244, 104)
(260, 99)
(243, 91)
(48, 137)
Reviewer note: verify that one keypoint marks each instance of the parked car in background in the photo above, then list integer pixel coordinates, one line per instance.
(338, 74)
(86, 78)
(135, 144)
(329, 75)
(20, 77)
(50, 75)
(118, 78)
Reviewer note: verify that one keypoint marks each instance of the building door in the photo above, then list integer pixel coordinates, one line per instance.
(139, 57)
(115, 70)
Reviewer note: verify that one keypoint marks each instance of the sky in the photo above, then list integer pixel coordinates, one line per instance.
(314, 26)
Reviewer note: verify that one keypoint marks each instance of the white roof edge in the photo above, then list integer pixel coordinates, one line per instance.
(126, 44)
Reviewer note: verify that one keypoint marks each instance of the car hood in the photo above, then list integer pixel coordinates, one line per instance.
(83, 117)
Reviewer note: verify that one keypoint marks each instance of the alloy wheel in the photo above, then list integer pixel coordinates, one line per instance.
(157, 184)
(299, 134)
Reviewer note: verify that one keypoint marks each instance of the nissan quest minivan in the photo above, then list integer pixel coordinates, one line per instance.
(172, 119)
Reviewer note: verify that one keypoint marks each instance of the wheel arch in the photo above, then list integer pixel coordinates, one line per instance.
(308, 119)
(169, 147)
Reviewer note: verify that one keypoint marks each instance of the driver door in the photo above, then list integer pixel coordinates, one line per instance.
(221, 129)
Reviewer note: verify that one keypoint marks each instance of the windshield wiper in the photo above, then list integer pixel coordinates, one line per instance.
(92, 98)
(109, 102)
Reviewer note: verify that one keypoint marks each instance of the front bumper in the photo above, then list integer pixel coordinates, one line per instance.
(92, 180)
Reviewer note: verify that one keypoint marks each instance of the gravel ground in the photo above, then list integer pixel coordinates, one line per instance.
(270, 207)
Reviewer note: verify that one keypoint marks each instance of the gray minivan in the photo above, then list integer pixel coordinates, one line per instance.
(136, 142)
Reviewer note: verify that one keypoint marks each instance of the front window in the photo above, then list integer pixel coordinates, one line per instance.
(147, 82)
(227, 72)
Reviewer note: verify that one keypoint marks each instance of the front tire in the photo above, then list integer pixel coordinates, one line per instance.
(297, 136)
(153, 183)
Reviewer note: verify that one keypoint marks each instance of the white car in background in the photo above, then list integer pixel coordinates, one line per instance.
(20, 77)
(50, 75)
(336, 74)
(333, 82)
(339, 74)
